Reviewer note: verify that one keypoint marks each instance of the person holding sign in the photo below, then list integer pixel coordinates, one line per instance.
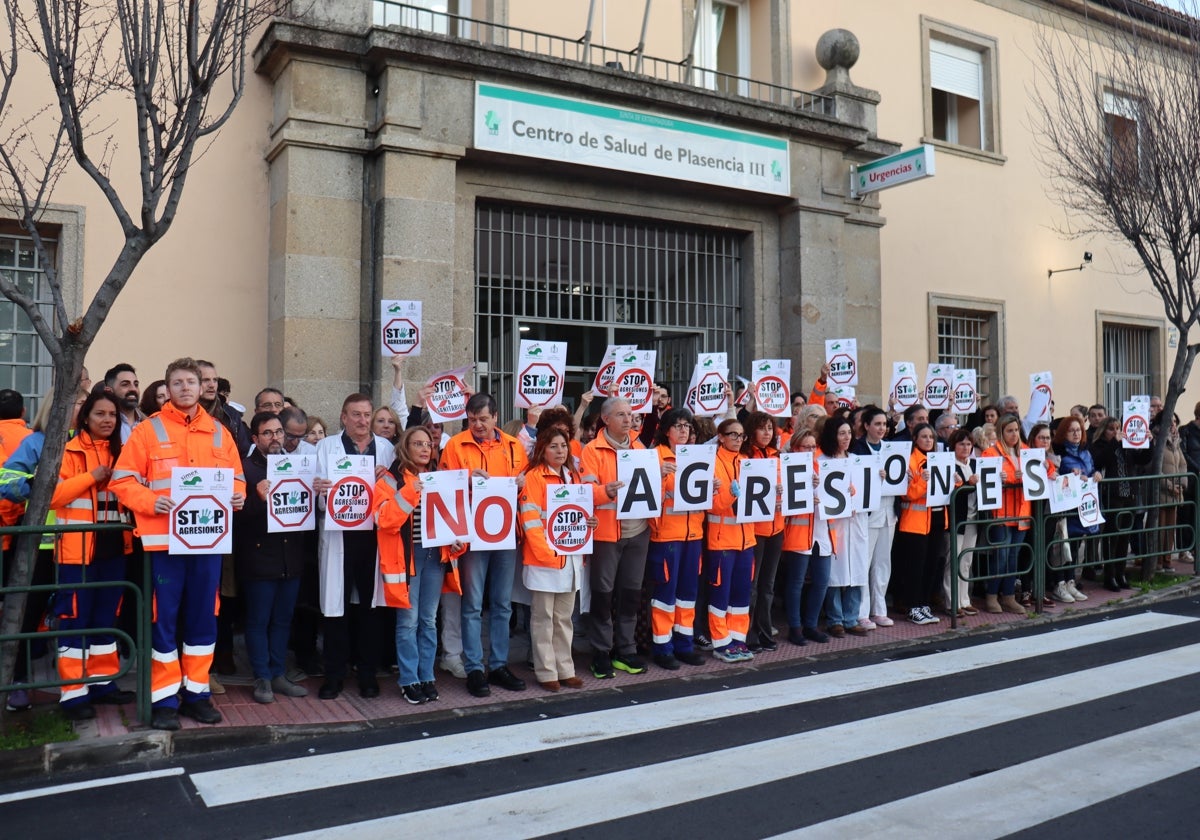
(966, 510)
(486, 452)
(1070, 447)
(82, 497)
(270, 566)
(807, 549)
(768, 539)
(1006, 537)
(413, 575)
(848, 538)
(1172, 487)
(881, 524)
(730, 552)
(920, 547)
(552, 570)
(1122, 491)
(676, 539)
(185, 586)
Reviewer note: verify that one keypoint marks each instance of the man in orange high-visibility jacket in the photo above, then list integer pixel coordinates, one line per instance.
(182, 434)
(12, 431)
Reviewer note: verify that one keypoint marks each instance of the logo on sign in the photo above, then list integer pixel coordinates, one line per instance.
(200, 522)
(350, 502)
(634, 385)
(841, 368)
(1136, 431)
(448, 395)
(964, 397)
(401, 335)
(568, 529)
(539, 383)
(710, 393)
(1089, 506)
(492, 122)
(937, 391)
(906, 390)
(291, 503)
(771, 394)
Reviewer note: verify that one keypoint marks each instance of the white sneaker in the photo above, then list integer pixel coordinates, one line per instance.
(1075, 593)
(454, 665)
(882, 620)
(866, 624)
(930, 618)
(916, 616)
(1061, 593)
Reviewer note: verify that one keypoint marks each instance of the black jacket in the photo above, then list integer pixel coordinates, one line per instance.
(260, 555)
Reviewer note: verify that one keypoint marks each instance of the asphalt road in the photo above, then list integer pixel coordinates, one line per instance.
(1091, 730)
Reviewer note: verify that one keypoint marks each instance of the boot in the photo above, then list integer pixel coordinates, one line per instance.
(991, 604)
(1110, 580)
(1008, 603)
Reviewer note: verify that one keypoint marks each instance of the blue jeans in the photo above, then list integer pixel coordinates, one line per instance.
(495, 569)
(841, 605)
(1007, 542)
(798, 565)
(269, 606)
(416, 627)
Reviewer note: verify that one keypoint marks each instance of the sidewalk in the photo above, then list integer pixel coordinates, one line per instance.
(114, 735)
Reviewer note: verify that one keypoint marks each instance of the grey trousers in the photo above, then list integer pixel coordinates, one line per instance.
(615, 574)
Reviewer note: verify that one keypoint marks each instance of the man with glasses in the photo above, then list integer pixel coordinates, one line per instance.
(947, 424)
(618, 550)
(295, 427)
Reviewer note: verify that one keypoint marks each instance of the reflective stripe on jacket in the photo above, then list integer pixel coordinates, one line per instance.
(77, 498)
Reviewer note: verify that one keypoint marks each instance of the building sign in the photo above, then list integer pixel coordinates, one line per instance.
(523, 122)
(892, 171)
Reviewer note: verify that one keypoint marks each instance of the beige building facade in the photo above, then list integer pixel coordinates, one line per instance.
(419, 152)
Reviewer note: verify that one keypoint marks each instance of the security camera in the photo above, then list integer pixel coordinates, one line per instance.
(1087, 256)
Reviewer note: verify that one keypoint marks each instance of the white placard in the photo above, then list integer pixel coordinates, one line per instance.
(568, 507)
(844, 394)
(1041, 394)
(798, 485)
(350, 503)
(634, 379)
(770, 386)
(760, 491)
(966, 393)
(841, 354)
(904, 389)
(1135, 424)
(834, 499)
(743, 398)
(1090, 515)
(941, 478)
(868, 486)
(493, 513)
(448, 401)
(445, 508)
(1035, 481)
(608, 366)
(641, 495)
(202, 518)
(1066, 492)
(541, 370)
(400, 327)
(693, 477)
(939, 378)
(989, 490)
(895, 455)
(708, 391)
(290, 499)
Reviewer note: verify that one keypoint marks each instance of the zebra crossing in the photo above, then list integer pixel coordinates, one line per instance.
(774, 758)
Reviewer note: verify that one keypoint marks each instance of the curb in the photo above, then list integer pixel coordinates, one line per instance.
(149, 744)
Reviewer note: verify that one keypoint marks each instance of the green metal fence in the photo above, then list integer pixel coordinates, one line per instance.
(1137, 510)
(134, 598)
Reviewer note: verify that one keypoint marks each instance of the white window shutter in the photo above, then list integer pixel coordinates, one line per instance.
(956, 70)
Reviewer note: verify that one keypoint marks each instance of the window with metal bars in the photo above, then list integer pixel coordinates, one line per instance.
(965, 340)
(1129, 355)
(594, 280)
(25, 365)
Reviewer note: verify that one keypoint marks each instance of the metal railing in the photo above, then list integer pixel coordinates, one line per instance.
(633, 62)
(1133, 531)
(139, 647)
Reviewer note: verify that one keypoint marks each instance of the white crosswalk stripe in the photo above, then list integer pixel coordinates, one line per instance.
(311, 773)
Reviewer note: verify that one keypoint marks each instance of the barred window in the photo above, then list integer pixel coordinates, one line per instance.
(25, 364)
(965, 339)
(1129, 363)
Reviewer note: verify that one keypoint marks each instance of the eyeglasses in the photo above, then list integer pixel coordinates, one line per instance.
(735, 435)
(271, 433)
(807, 447)
(421, 444)
(683, 427)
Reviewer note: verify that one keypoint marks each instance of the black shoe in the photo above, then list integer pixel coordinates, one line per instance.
(1123, 582)
(666, 661)
(368, 688)
(164, 718)
(78, 711)
(477, 684)
(815, 635)
(602, 667)
(690, 658)
(1110, 583)
(754, 646)
(506, 679)
(114, 698)
(413, 693)
(430, 690)
(767, 643)
(311, 665)
(202, 711)
(630, 663)
(796, 636)
(703, 642)
(330, 689)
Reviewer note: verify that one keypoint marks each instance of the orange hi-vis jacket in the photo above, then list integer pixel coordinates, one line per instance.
(671, 526)
(914, 513)
(79, 500)
(724, 532)
(1012, 501)
(536, 549)
(501, 456)
(600, 468)
(394, 506)
(12, 432)
(767, 529)
(166, 440)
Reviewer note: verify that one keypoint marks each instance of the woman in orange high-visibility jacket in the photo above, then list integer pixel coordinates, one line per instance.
(676, 538)
(413, 575)
(82, 497)
(806, 556)
(760, 440)
(919, 551)
(730, 551)
(552, 575)
(1007, 536)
